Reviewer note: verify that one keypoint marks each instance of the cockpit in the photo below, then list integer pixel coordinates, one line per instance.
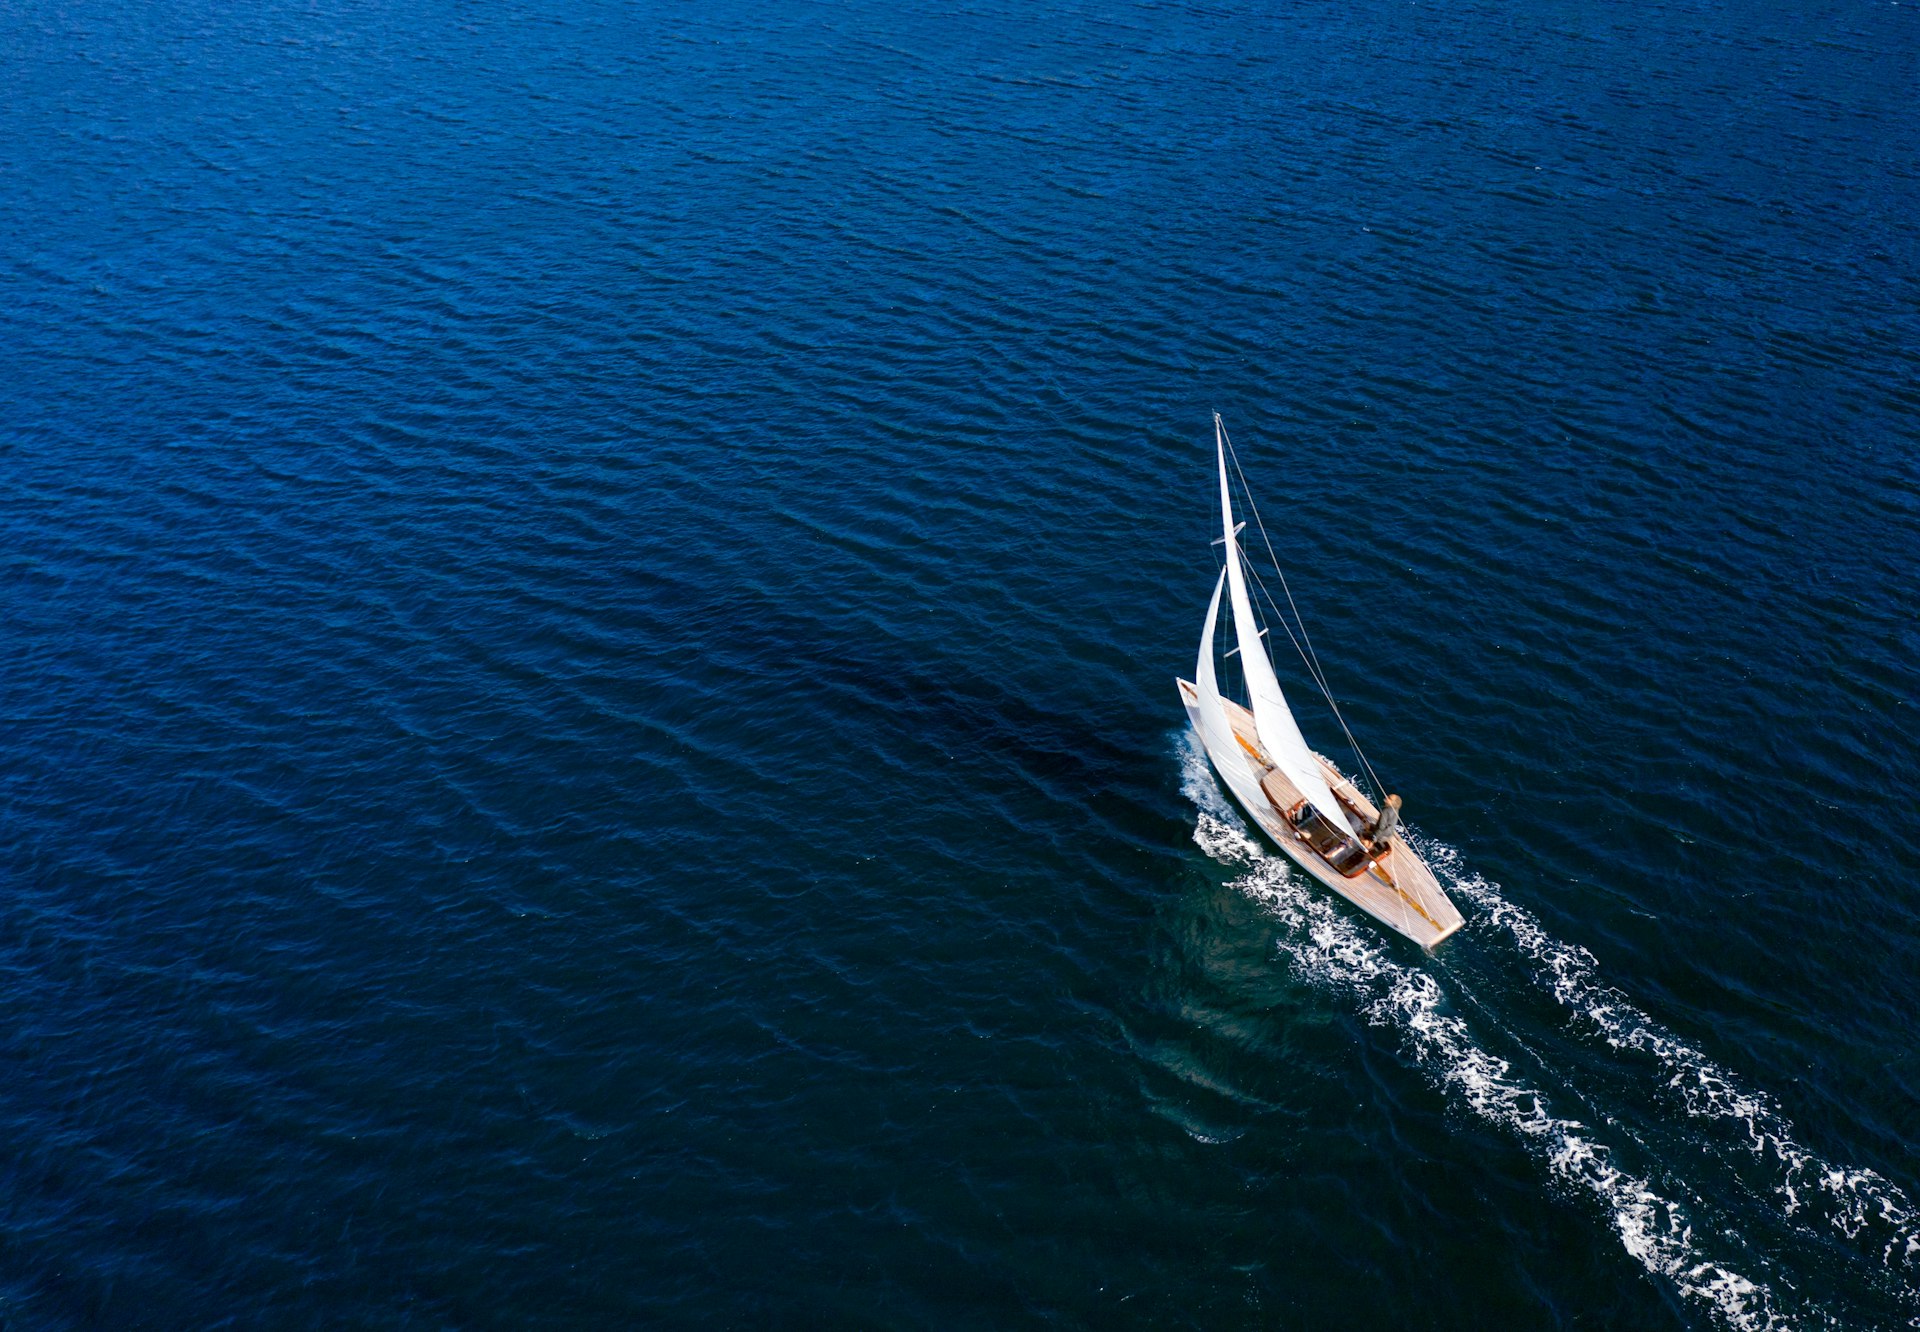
(1337, 848)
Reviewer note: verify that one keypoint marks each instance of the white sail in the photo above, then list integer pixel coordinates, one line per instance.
(1279, 733)
(1216, 731)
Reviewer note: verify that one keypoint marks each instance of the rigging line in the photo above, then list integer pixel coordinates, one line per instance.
(1319, 680)
(1282, 619)
(1261, 586)
(1313, 667)
(1313, 664)
(1247, 565)
(1311, 657)
(1307, 655)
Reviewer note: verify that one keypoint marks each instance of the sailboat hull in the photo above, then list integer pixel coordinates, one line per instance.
(1401, 892)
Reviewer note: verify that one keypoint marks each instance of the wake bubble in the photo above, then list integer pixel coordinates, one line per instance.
(1329, 949)
(1860, 1204)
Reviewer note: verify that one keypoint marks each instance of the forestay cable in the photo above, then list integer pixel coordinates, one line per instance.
(1307, 653)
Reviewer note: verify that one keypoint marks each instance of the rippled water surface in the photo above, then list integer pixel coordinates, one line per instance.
(591, 595)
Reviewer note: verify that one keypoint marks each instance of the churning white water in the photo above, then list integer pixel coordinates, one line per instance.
(1341, 953)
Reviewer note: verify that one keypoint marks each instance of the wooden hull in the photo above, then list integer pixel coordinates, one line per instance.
(1401, 893)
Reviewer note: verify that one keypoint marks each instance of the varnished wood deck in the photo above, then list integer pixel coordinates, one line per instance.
(1399, 892)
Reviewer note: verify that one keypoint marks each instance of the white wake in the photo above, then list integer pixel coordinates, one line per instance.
(1855, 1202)
(1333, 950)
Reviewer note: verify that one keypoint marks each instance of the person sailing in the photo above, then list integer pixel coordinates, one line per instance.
(1388, 823)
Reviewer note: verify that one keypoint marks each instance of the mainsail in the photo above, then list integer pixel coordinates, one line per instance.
(1210, 716)
(1272, 718)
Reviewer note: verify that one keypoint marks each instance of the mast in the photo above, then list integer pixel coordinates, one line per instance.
(1272, 718)
(1216, 731)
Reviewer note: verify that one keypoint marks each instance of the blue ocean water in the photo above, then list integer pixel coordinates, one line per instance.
(591, 595)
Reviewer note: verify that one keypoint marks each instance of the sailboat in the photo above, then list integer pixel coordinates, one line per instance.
(1315, 814)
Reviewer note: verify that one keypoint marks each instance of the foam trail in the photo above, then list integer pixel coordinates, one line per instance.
(1329, 949)
(1856, 1202)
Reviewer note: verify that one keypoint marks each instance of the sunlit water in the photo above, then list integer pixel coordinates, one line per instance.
(591, 595)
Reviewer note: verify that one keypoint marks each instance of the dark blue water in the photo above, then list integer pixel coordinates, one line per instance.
(590, 596)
